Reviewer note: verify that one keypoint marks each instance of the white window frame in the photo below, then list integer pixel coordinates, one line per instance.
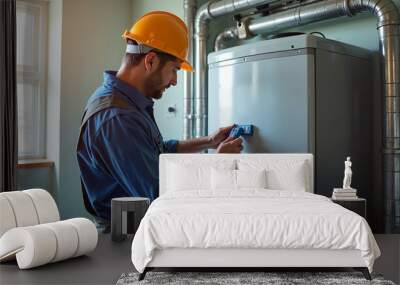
(37, 74)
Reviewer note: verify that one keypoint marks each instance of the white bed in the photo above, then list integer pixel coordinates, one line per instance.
(247, 210)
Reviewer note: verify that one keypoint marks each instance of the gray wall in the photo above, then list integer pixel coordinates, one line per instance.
(53, 93)
(91, 43)
(36, 178)
(85, 39)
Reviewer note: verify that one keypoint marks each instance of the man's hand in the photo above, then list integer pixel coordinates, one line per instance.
(216, 138)
(230, 145)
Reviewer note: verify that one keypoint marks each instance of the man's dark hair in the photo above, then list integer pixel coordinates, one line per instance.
(133, 59)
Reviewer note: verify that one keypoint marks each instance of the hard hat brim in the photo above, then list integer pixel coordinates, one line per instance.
(185, 65)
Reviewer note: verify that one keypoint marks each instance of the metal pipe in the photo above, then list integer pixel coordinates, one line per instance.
(302, 15)
(315, 12)
(189, 7)
(227, 34)
(389, 45)
(206, 12)
(200, 35)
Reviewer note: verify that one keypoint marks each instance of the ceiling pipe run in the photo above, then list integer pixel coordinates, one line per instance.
(388, 21)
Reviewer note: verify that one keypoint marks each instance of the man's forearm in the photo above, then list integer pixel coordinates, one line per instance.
(195, 145)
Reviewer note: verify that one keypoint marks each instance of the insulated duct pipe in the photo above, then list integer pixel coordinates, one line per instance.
(389, 45)
(206, 12)
(189, 7)
(226, 35)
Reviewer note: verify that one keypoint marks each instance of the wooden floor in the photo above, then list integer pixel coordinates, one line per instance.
(111, 259)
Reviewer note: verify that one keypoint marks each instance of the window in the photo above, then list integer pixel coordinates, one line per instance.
(31, 77)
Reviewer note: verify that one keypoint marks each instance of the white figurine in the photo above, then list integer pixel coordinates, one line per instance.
(347, 174)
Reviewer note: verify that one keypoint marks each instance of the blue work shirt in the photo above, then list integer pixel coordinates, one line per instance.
(120, 148)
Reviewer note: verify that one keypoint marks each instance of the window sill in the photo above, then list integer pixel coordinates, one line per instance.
(34, 163)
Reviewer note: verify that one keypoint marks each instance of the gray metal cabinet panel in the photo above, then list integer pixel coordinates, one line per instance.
(343, 121)
(316, 98)
(273, 94)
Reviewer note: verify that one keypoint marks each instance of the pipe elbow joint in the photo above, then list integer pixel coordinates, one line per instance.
(385, 10)
(201, 18)
(203, 14)
(226, 35)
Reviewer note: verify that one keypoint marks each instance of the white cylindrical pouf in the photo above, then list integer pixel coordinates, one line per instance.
(40, 244)
(87, 234)
(7, 218)
(33, 246)
(67, 240)
(45, 205)
(23, 208)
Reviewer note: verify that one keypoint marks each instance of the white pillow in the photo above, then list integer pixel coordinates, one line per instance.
(251, 178)
(183, 178)
(189, 175)
(237, 179)
(288, 179)
(223, 179)
(281, 174)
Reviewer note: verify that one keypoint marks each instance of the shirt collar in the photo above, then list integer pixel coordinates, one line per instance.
(140, 100)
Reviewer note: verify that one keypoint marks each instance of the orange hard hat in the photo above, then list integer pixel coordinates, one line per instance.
(163, 31)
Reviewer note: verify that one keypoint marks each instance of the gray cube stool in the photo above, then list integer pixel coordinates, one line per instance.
(126, 214)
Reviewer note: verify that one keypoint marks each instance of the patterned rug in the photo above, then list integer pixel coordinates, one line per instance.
(244, 278)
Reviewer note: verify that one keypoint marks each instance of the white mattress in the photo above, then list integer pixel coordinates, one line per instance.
(252, 218)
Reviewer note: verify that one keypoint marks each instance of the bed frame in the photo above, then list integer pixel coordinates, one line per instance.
(245, 258)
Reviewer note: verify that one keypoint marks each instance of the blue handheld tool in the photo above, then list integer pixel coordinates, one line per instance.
(241, 130)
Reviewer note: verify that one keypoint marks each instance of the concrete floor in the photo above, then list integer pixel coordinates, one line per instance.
(110, 260)
(389, 262)
(102, 266)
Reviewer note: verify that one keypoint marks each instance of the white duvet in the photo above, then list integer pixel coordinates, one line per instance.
(250, 219)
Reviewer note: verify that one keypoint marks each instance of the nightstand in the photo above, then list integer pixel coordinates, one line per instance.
(357, 205)
(126, 214)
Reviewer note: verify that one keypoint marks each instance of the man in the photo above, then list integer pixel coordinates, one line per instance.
(119, 143)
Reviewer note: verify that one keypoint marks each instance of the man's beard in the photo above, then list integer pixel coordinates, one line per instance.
(155, 87)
